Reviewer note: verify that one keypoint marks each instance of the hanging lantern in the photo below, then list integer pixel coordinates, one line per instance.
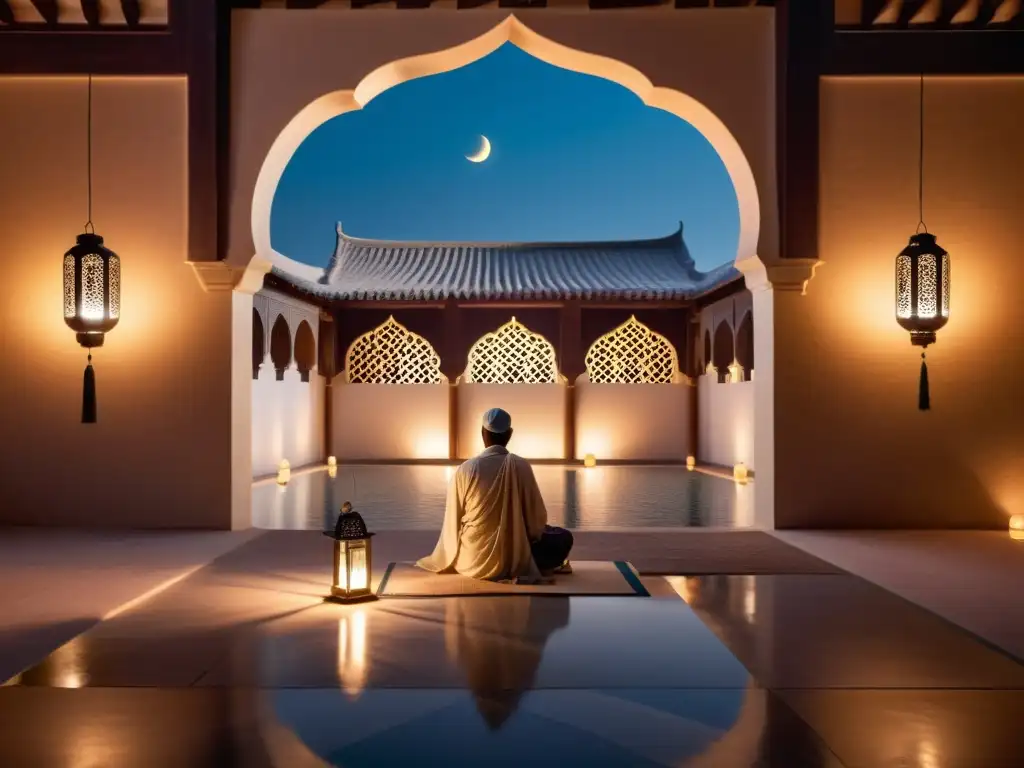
(922, 297)
(922, 280)
(352, 558)
(92, 287)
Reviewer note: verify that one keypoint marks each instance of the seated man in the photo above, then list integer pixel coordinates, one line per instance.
(495, 524)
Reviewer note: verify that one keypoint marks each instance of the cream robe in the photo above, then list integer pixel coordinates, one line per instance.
(494, 510)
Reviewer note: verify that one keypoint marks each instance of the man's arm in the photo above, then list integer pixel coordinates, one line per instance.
(534, 511)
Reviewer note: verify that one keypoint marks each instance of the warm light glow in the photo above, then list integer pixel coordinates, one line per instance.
(449, 473)
(332, 461)
(687, 587)
(691, 462)
(332, 472)
(431, 444)
(1017, 527)
(352, 652)
(512, 354)
(589, 460)
(285, 464)
(284, 472)
(735, 375)
(359, 576)
(739, 473)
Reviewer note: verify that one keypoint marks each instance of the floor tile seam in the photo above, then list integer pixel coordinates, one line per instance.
(992, 646)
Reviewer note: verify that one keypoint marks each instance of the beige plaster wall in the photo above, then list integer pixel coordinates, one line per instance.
(726, 422)
(282, 61)
(851, 447)
(389, 421)
(634, 422)
(537, 411)
(161, 453)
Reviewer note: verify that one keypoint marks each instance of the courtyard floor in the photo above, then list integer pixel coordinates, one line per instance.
(753, 649)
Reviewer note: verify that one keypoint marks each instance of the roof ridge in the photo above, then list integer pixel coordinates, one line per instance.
(674, 238)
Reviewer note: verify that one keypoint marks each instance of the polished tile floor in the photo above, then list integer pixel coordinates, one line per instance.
(241, 664)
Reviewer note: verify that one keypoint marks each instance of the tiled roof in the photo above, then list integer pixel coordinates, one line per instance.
(660, 268)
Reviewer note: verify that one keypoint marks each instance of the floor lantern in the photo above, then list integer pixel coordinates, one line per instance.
(92, 286)
(352, 558)
(1017, 527)
(922, 281)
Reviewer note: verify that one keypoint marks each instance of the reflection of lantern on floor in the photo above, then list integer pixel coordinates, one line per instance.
(1017, 527)
(352, 661)
(352, 565)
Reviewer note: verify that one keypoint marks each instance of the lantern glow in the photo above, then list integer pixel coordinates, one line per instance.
(589, 460)
(284, 472)
(1017, 527)
(92, 286)
(691, 462)
(352, 558)
(740, 473)
(332, 461)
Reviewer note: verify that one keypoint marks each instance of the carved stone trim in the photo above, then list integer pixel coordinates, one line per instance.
(216, 276)
(781, 275)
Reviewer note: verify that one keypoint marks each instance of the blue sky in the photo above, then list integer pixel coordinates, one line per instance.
(574, 158)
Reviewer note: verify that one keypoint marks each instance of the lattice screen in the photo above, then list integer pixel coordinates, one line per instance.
(632, 354)
(392, 354)
(513, 354)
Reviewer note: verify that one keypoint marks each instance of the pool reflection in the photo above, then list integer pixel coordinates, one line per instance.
(412, 497)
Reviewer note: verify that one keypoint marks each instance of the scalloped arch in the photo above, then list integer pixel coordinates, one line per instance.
(631, 353)
(510, 30)
(392, 354)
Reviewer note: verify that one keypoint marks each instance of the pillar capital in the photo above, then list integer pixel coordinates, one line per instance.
(778, 274)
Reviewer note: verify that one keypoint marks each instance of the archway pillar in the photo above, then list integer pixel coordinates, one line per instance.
(776, 289)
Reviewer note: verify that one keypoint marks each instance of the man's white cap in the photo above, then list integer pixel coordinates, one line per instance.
(497, 421)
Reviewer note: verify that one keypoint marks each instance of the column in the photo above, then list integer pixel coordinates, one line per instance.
(452, 364)
(571, 366)
(327, 365)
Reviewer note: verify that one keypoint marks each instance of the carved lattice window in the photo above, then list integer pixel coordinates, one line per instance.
(513, 354)
(632, 354)
(392, 354)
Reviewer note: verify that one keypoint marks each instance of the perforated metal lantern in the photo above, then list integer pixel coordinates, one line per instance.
(922, 288)
(92, 303)
(352, 557)
(92, 289)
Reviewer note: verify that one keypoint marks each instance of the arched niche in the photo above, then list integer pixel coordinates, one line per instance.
(280, 346)
(512, 354)
(745, 344)
(723, 352)
(510, 30)
(392, 354)
(632, 353)
(707, 350)
(259, 341)
(305, 350)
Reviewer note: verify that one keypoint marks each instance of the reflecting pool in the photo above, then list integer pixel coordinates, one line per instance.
(411, 497)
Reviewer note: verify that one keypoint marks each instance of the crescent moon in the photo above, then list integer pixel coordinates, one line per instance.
(481, 154)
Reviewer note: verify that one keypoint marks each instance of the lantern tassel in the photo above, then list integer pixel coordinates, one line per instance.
(924, 401)
(89, 395)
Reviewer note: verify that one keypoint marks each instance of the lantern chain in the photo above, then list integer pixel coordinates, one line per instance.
(920, 159)
(88, 155)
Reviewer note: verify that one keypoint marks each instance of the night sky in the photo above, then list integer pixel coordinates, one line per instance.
(573, 157)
